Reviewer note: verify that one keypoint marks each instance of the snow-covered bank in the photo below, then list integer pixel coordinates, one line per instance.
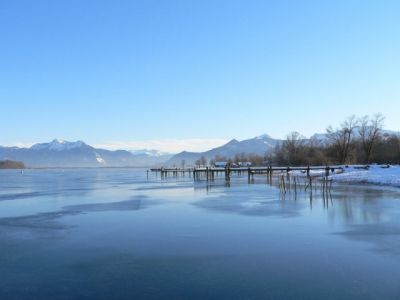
(374, 174)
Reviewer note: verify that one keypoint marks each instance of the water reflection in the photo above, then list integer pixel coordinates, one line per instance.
(369, 214)
(117, 234)
(349, 203)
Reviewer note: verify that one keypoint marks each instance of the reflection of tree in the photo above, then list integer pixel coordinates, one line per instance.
(344, 204)
(357, 205)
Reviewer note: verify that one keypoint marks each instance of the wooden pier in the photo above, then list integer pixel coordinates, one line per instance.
(209, 173)
(286, 179)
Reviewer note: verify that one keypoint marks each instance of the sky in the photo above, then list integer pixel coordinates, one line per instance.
(191, 75)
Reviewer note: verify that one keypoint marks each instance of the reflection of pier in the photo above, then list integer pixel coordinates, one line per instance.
(287, 179)
(293, 186)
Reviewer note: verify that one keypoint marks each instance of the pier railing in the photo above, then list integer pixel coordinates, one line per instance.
(209, 173)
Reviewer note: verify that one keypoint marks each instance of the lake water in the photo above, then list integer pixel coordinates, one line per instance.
(116, 234)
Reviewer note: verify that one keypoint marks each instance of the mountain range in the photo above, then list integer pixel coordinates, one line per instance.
(60, 153)
(258, 145)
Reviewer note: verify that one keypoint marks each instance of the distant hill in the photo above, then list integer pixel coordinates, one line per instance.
(10, 164)
(259, 145)
(59, 153)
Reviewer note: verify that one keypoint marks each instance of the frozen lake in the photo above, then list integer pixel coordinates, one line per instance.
(114, 234)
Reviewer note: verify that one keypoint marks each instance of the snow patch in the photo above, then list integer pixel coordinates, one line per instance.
(100, 159)
(374, 174)
(263, 137)
(58, 145)
(148, 152)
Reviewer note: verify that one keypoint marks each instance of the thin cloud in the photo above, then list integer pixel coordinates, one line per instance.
(18, 144)
(165, 145)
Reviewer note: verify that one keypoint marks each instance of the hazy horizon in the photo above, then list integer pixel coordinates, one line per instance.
(170, 146)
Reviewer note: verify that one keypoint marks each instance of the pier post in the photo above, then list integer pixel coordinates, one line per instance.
(270, 173)
(227, 173)
(327, 169)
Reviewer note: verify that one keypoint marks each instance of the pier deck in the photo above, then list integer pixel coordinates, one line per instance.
(209, 173)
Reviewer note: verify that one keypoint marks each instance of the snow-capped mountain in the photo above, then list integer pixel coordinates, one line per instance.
(319, 136)
(258, 145)
(60, 153)
(152, 152)
(58, 145)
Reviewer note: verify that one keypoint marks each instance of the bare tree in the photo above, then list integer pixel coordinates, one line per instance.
(220, 158)
(341, 138)
(203, 161)
(292, 147)
(212, 162)
(198, 163)
(370, 130)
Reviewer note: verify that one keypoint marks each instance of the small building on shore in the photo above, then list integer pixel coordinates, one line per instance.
(220, 164)
(244, 163)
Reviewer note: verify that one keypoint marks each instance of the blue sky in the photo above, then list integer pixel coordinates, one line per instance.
(128, 73)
